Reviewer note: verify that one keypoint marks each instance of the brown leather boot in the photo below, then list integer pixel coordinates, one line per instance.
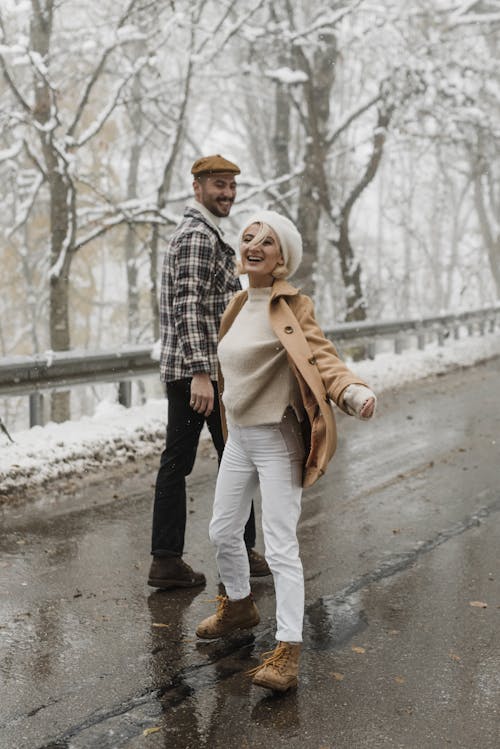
(229, 617)
(279, 671)
(173, 572)
(258, 565)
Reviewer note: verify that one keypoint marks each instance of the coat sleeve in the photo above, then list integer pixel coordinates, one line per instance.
(335, 374)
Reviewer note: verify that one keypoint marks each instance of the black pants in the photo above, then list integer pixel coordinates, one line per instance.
(183, 433)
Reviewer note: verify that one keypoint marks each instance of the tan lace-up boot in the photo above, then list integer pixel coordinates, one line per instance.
(229, 617)
(279, 670)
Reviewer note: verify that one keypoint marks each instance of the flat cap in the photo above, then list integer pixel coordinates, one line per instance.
(215, 163)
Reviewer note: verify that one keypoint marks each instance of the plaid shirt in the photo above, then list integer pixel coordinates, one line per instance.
(198, 280)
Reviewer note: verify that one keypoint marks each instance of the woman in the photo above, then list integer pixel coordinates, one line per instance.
(278, 374)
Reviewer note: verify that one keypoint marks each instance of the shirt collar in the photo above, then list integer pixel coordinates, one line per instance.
(210, 217)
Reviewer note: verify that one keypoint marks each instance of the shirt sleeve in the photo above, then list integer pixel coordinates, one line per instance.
(192, 276)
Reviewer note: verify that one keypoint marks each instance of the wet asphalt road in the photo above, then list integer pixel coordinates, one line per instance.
(398, 540)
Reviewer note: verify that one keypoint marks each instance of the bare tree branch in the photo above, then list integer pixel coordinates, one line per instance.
(350, 119)
(379, 138)
(10, 82)
(326, 22)
(154, 217)
(101, 120)
(28, 207)
(98, 71)
(232, 32)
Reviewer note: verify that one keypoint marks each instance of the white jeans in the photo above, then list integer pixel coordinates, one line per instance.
(272, 456)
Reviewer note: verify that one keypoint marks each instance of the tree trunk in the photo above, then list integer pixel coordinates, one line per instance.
(351, 274)
(280, 141)
(314, 192)
(153, 282)
(350, 267)
(59, 341)
(491, 238)
(308, 219)
(62, 203)
(162, 198)
(133, 313)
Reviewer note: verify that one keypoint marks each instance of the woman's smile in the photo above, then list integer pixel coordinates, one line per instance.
(260, 254)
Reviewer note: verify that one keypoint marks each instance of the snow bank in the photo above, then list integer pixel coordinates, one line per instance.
(115, 434)
(388, 371)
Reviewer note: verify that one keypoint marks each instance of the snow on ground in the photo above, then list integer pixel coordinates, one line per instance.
(115, 434)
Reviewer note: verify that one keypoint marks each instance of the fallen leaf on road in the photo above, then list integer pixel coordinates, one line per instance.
(455, 657)
(478, 604)
(154, 729)
(160, 624)
(399, 679)
(357, 649)
(337, 676)
(394, 632)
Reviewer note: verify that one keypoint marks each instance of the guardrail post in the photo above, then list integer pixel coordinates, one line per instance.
(470, 328)
(482, 326)
(492, 325)
(441, 336)
(456, 332)
(125, 393)
(421, 340)
(36, 410)
(372, 349)
(398, 344)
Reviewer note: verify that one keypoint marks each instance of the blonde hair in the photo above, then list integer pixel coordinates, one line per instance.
(281, 271)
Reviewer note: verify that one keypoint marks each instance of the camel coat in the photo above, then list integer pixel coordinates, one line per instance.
(320, 374)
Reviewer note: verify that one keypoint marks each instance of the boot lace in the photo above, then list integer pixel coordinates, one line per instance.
(277, 658)
(222, 605)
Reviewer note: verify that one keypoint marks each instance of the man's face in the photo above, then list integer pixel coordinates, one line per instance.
(216, 192)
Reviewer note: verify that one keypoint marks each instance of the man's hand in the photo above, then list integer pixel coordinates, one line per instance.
(202, 394)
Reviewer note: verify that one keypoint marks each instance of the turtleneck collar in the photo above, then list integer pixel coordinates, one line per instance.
(257, 293)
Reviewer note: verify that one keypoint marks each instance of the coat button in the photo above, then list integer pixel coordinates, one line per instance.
(312, 360)
(288, 329)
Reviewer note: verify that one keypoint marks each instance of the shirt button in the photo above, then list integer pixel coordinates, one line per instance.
(288, 329)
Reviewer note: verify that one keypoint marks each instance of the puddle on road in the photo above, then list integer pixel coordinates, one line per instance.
(330, 622)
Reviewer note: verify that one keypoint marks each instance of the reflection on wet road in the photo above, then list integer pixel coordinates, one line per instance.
(398, 540)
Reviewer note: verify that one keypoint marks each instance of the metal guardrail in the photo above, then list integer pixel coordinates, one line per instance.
(31, 375)
(62, 369)
(439, 327)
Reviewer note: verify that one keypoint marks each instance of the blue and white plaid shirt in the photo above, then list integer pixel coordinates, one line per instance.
(198, 280)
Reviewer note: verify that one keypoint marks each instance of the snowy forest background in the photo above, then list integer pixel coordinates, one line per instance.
(374, 124)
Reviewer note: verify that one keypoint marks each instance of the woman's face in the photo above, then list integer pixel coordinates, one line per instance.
(260, 260)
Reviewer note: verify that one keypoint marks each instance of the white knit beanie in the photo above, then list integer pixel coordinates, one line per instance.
(287, 233)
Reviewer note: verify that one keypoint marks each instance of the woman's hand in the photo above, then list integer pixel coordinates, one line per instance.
(368, 409)
(360, 401)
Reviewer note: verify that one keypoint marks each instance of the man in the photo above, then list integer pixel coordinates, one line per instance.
(198, 280)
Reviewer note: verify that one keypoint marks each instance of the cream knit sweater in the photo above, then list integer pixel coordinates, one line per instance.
(258, 382)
